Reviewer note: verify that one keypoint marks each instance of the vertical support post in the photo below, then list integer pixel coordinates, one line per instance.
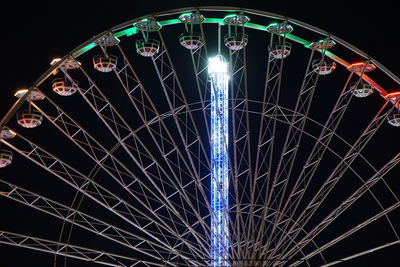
(218, 72)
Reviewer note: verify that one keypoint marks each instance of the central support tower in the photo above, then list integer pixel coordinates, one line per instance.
(218, 72)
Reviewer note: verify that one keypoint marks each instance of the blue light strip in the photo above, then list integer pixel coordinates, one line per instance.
(217, 69)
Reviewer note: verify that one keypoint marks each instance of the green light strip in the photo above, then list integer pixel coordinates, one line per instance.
(84, 49)
(133, 30)
(214, 20)
(128, 32)
(297, 39)
(256, 26)
(169, 22)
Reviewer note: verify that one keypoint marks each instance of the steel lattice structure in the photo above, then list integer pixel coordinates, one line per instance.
(218, 69)
(125, 134)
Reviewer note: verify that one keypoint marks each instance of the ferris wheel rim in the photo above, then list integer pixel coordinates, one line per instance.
(76, 52)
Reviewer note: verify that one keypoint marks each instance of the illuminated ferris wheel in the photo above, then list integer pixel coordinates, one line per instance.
(214, 136)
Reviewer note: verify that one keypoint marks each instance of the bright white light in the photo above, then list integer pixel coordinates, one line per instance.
(217, 64)
(54, 61)
(20, 93)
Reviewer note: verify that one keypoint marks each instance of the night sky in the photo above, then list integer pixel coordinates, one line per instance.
(34, 34)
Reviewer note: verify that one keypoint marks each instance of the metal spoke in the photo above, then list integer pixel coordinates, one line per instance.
(348, 233)
(129, 140)
(81, 219)
(349, 201)
(368, 251)
(98, 194)
(338, 172)
(72, 251)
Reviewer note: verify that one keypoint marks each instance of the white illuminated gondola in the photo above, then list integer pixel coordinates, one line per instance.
(105, 63)
(6, 157)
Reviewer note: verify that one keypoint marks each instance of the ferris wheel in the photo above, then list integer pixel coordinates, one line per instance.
(209, 136)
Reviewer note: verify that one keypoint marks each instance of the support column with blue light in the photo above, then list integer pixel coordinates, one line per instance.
(218, 73)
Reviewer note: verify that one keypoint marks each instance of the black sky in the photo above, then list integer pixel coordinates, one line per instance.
(33, 34)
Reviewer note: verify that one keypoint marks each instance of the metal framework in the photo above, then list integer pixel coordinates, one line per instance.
(218, 71)
(169, 161)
